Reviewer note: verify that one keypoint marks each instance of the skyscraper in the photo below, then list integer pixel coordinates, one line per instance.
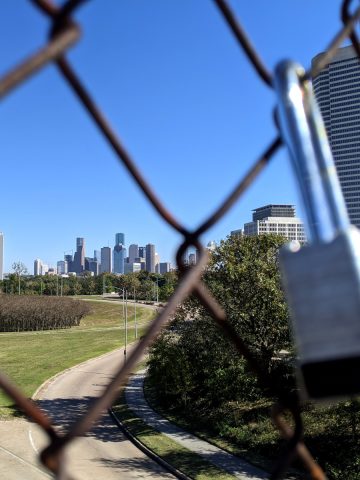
(105, 260)
(92, 265)
(133, 252)
(150, 257)
(69, 260)
(164, 267)
(61, 267)
(119, 255)
(1, 256)
(119, 238)
(79, 257)
(337, 90)
(37, 267)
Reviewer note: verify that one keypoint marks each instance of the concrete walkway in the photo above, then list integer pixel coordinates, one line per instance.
(134, 394)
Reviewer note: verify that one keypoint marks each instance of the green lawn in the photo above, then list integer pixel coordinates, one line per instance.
(30, 358)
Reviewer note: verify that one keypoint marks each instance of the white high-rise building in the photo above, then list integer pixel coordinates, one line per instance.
(62, 267)
(337, 90)
(37, 267)
(44, 269)
(276, 219)
(1, 256)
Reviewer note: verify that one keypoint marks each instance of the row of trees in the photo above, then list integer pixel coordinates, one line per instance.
(20, 313)
(147, 286)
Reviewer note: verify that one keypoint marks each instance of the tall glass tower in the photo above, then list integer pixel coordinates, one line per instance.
(119, 238)
(337, 90)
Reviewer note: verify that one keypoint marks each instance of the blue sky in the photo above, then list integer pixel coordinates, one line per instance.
(177, 89)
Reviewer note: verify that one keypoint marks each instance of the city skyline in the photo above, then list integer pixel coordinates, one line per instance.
(176, 111)
(106, 260)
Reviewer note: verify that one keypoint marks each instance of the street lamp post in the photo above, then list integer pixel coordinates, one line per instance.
(136, 332)
(126, 336)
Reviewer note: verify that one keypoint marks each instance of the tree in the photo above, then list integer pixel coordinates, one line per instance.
(244, 277)
(19, 269)
(192, 364)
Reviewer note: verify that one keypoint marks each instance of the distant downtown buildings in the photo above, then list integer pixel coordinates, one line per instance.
(107, 260)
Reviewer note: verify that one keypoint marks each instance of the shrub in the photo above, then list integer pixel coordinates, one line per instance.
(23, 313)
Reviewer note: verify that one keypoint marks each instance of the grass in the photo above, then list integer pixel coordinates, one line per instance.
(188, 462)
(30, 358)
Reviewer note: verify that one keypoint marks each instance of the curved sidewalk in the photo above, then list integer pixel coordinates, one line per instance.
(134, 394)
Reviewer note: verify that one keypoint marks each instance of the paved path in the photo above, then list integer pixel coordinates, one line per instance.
(240, 468)
(104, 453)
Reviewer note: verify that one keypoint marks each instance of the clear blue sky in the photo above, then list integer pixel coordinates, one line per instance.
(173, 82)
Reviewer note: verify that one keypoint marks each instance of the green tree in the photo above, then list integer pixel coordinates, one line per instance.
(244, 277)
(192, 363)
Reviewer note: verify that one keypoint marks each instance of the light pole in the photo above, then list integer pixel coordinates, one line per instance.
(126, 337)
(136, 332)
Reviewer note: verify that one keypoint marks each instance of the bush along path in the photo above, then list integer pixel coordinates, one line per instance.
(135, 400)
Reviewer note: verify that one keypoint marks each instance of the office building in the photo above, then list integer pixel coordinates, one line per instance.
(157, 260)
(69, 260)
(37, 267)
(239, 232)
(273, 211)
(337, 90)
(62, 267)
(119, 255)
(132, 267)
(164, 267)
(97, 256)
(79, 257)
(91, 265)
(142, 252)
(44, 269)
(150, 257)
(1, 256)
(142, 262)
(289, 227)
(133, 252)
(106, 262)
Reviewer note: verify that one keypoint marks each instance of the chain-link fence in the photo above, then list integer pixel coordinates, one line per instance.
(64, 32)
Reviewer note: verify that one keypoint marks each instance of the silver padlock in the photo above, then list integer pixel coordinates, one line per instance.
(322, 279)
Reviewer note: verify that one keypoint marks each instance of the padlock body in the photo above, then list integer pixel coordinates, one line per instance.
(322, 285)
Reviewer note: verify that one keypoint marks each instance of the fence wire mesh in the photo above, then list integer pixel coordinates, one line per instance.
(64, 33)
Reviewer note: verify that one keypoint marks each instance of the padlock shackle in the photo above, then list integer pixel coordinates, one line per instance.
(303, 131)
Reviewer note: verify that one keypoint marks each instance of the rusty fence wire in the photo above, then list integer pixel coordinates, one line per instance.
(64, 33)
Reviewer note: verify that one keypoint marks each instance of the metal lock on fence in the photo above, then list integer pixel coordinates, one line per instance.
(322, 279)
